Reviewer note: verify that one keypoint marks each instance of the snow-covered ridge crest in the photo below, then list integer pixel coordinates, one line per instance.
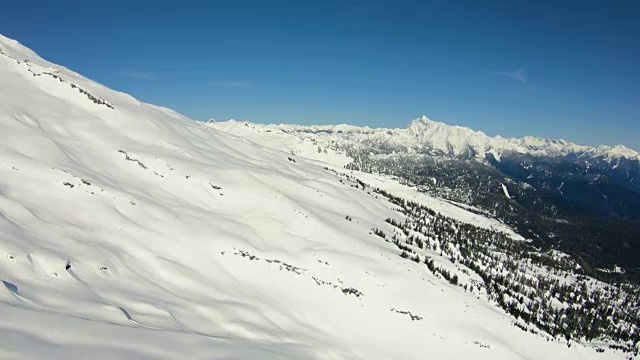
(16, 50)
(424, 135)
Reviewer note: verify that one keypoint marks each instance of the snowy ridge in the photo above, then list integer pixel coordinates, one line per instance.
(132, 232)
(426, 135)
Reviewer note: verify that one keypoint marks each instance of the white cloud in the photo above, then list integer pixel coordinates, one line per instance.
(519, 75)
(232, 84)
(138, 75)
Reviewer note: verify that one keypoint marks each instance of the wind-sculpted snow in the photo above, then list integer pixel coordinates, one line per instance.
(131, 232)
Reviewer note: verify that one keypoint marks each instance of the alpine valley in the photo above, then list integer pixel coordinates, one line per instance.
(128, 231)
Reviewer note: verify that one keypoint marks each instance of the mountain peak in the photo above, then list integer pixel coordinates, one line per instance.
(618, 151)
(422, 121)
(623, 150)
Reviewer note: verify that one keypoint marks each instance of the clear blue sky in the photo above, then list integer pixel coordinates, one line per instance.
(567, 69)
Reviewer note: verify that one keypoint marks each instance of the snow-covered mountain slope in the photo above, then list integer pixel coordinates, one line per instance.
(128, 231)
(424, 135)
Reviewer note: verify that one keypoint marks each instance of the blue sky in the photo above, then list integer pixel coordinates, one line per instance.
(562, 69)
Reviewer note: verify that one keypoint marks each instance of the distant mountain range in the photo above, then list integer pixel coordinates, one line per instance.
(425, 136)
(581, 199)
